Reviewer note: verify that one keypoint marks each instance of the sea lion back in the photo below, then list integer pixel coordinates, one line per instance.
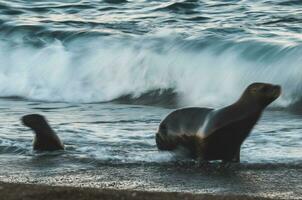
(179, 128)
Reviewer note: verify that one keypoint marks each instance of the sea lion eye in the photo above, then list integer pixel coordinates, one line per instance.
(254, 90)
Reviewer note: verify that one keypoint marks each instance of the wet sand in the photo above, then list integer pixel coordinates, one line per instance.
(16, 191)
(244, 181)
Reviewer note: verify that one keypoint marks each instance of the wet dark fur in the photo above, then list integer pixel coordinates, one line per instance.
(166, 142)
(179, 128)
(225, 144)
(45, 138)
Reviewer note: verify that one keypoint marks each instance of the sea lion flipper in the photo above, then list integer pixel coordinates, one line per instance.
(237, 157)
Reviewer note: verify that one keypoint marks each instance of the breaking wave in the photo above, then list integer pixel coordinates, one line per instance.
(153, 69)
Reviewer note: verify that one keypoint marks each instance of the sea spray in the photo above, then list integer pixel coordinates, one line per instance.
(206, 72)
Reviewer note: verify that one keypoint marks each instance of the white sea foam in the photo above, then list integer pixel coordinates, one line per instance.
(93, 70)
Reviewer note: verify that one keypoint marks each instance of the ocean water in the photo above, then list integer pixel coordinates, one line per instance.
(105, 72)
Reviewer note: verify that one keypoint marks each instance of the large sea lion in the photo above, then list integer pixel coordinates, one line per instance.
(209, 134)
(45, 138)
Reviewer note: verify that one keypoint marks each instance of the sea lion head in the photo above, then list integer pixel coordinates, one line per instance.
(261, 93)
(34, 121)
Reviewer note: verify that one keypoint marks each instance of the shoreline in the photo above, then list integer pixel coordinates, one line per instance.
(16, 191)
(154, 182)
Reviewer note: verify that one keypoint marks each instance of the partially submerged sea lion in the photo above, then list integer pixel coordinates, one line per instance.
(45, 138)
(210, 134)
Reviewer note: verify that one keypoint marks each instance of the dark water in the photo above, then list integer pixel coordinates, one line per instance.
(106, 72)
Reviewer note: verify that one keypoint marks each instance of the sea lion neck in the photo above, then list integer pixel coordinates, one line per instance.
(248, 102)
(42, 128)
(243, 108)
(246, 105)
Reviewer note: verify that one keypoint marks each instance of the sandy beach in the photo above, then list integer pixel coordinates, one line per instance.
(16, 191)
(157, 182)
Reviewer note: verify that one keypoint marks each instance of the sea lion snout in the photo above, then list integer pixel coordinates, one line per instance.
(276, 91)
